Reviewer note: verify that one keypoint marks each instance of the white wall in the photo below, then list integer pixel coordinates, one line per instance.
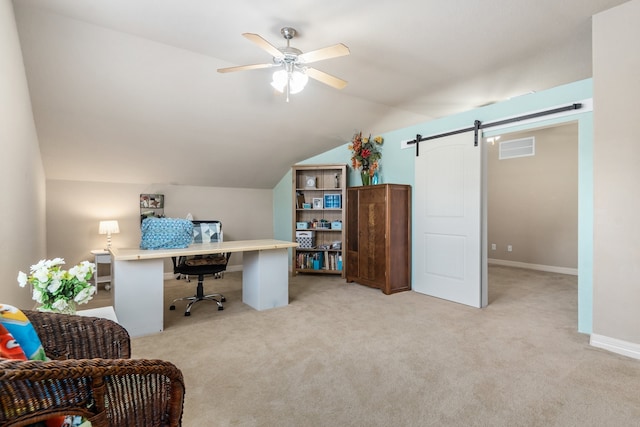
(616, 269)
(22, 185)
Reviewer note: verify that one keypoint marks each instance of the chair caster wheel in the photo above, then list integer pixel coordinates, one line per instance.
(187, 313)
(223, 299)
(220, 308)
(173, 307)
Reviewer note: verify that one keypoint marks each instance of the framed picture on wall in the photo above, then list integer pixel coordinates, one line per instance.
(317, 203)
(153, 201)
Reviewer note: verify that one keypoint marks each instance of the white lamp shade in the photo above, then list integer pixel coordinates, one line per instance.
(108, 227)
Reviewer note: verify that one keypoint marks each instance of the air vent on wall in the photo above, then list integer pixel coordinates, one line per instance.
(518, 148)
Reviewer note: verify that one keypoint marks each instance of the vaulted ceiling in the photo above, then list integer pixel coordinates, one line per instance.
(127, 90)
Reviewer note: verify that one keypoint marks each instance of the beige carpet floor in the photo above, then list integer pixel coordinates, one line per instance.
(347, 355)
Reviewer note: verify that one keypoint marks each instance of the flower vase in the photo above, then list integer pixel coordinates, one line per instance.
(69, 309)
(366, 178)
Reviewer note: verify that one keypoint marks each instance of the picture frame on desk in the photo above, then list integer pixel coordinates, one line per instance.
(317, 203)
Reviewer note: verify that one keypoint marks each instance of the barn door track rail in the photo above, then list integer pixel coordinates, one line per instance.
(477, 125)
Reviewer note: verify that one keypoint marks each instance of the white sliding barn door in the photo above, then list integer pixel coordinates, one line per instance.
(447, 223)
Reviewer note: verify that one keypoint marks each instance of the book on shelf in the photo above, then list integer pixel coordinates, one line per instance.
(320, 260)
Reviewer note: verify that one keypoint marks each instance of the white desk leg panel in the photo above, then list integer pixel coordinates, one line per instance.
(265, 281)
(138, 295)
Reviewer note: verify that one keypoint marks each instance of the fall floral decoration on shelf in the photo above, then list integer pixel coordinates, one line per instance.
(59, 290)
(366, 155)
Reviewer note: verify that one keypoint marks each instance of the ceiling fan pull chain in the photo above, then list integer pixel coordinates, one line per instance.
(288, 83)
(289, 66)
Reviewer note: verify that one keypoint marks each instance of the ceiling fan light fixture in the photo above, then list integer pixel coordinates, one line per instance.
(293, 72)
(280, 80)
(297, 81)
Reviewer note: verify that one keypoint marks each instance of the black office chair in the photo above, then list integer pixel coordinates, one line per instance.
(202, 265)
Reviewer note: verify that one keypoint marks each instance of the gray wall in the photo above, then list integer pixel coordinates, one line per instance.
(533, 201)
(75, 208)
(616, 281)
(22, 183)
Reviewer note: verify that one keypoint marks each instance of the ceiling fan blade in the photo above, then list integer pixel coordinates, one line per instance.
(244, 67)
(324, 53)
(325, 78)
(263, 44)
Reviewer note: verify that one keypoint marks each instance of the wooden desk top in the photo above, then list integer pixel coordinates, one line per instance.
(132, 254)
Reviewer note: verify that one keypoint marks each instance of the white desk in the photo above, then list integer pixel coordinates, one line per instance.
(138, 279)
(104, 312)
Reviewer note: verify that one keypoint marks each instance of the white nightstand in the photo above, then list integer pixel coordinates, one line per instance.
(102, 256)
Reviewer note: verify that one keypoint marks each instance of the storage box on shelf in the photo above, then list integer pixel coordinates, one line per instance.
(306, 239)
(318, 196)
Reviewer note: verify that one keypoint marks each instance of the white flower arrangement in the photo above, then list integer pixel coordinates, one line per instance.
(56, 289)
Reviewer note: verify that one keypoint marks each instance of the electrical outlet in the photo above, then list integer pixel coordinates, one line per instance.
(509, 248)
(493, 247)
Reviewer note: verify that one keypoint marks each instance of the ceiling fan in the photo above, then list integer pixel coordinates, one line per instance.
(294, 72)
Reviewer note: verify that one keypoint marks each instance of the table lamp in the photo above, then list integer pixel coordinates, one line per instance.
(108, 228)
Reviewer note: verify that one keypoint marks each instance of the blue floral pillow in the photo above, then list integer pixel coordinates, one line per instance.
(166, 233)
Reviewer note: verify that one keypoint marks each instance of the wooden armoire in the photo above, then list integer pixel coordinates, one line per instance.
(378, 237)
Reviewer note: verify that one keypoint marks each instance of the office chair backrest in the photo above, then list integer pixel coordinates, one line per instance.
(207, 231)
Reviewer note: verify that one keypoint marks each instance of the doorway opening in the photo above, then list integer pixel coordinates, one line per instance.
(532, 204)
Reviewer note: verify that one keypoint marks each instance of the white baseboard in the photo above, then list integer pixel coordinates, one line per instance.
(540, 267)
(614, 345)
(231, 268)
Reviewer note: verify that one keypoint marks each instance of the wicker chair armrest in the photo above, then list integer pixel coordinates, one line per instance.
(66, 336)
(124, 392)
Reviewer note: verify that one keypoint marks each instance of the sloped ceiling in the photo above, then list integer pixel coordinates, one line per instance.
(127, 90)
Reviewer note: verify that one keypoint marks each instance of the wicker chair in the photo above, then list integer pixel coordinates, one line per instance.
(91, 374)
